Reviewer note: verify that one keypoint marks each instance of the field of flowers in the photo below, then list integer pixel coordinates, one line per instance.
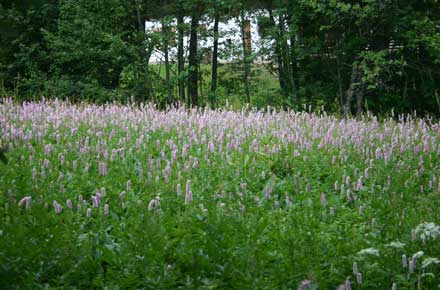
(131, 197)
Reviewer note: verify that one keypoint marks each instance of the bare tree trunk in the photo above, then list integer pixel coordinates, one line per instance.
(145, 52)
(353, 90)
(292, 64)
(288, 78)
(200, 79)
(141, 21)
(166, 31)
(180, 58)
(193, 63)
(245, 37)
(359, 100)
(279, 56)
(340, 85)
(214, 62)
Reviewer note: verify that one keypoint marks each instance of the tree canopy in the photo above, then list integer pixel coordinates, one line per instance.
(348, 56)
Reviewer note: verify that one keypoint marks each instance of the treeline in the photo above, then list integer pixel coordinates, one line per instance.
(348, 56)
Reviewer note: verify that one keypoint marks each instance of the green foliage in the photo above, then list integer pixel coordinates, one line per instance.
(96, 50)
(241, 239)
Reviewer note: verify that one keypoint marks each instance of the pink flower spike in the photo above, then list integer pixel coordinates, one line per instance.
(122, 195)
(26, 201)
(305, 284)
(404, 261)
(323, 199)
(57, 207)
(102, 168)
(188, 197)
(188, 187)
(355, 268)
(347, 284)
(69, 204)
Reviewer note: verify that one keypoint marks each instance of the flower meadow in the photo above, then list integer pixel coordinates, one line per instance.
(132, 197)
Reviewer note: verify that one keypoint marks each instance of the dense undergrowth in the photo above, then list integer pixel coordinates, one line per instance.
(121, 197)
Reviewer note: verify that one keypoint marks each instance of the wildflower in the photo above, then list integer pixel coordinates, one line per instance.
(122, 195)
(426, 231)
(369, 251)
(89, 212)
(129, 185)
(26, 201)
(34, 174)
(57, 207)
(418, 255)
(305, 284)
(411, 266)
(154, 203)
(428, 261)
(404, 261)
(323, 199)
(267, 191)
(102, 168)
(359, 185)
(347, 284)
(188, 197)
(103, 192)
(106, 209)
(355, 268)
(95, 201)
(347, 181)
(179, 189)
(359, 278)
(288, 202)
(188, 187)
(396, 245)
(332, 211)
(394, 287)
(140, 171)
(69, 204)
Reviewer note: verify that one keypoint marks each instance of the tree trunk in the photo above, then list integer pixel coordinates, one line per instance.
(180, 58)
(285, 53)
(166, 32)
(141, 21)
(359, 100)
(145, 52)
(200, 79)
(193, 63)
(245, 35)
(340, 85)
(292, 55)
(214, 62)
(277, 49)
(353, 90)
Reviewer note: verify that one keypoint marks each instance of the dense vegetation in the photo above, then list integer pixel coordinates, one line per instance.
(348, 56)
(128, 197)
